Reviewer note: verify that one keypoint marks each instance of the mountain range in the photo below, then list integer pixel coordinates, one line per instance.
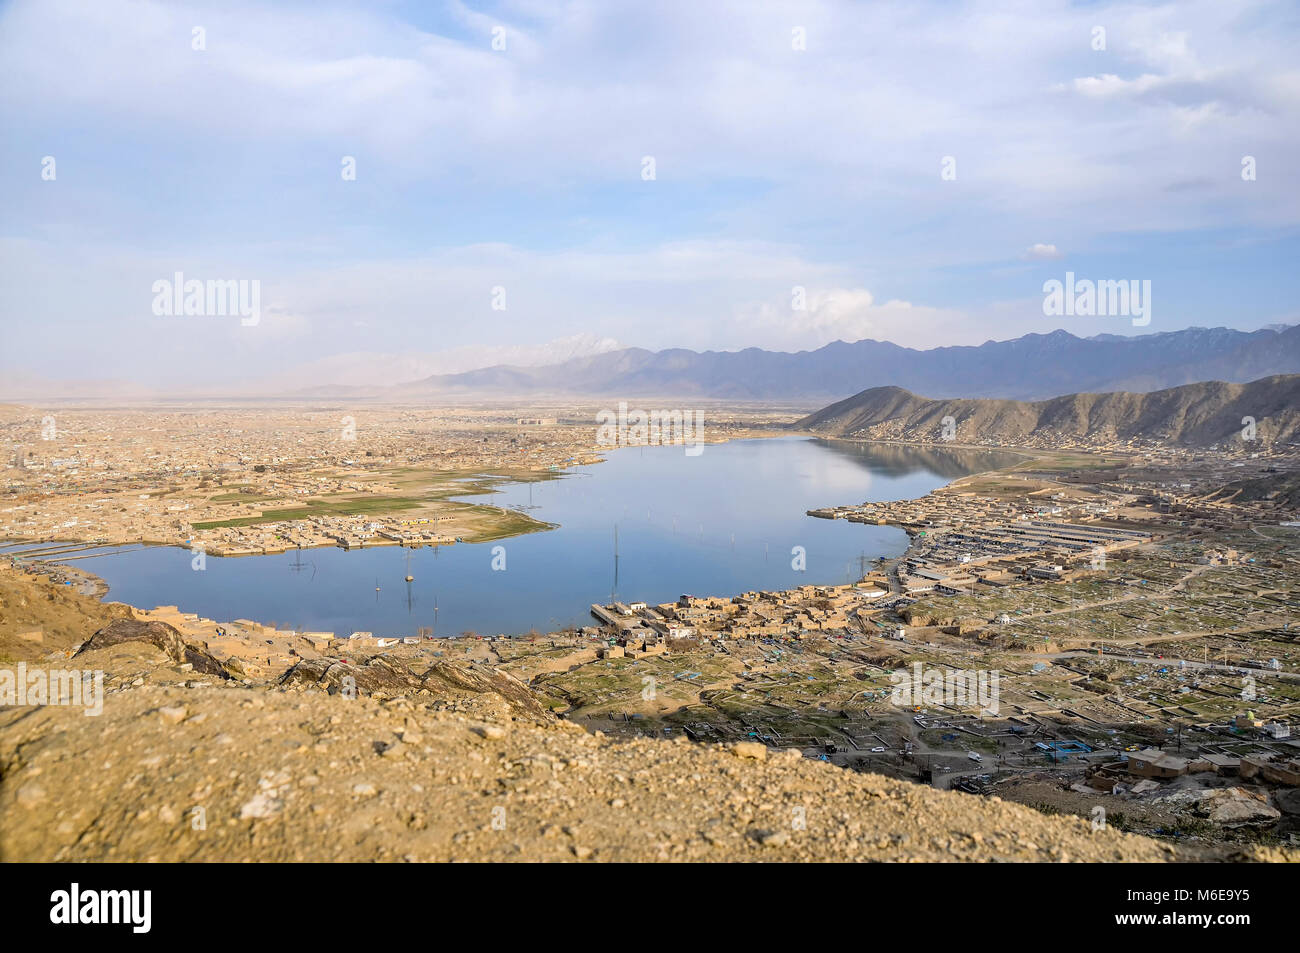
(1265, 412)
(1031, 367)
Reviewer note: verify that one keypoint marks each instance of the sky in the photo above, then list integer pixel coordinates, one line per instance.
(430, 187)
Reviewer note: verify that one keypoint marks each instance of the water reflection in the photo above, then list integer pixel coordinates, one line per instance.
(719, 523)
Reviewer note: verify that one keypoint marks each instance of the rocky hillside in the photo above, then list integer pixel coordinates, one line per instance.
(185, 770)
(1282, 488)
(187, 761)
(38, 616)
(1197, 415)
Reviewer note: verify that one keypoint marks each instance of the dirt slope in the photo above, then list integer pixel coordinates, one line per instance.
(304, 777)
(31, 604)
(461, 765)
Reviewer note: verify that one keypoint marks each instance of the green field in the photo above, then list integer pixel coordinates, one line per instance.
(437, 486)
(329, 506)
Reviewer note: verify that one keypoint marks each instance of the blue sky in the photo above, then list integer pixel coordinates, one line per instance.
(522, 168)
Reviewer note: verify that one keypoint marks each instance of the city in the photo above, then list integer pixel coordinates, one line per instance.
(1140, 630)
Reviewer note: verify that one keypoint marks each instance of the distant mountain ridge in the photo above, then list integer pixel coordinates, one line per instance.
(1031, 367)
(1196, 415)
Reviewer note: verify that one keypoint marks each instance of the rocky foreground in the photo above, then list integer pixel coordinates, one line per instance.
(288, 777)
(205, 770)
(378, 760)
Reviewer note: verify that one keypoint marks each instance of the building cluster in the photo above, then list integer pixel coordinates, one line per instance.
(960, 540)
(953, 562)
(346, 532)
(1227, 786)
(790, 614)
(956, 509)
(218, 477)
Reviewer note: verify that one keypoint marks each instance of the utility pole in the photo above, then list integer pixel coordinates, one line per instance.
(614, 590)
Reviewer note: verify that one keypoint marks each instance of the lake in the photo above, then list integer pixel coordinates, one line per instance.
(719, 523)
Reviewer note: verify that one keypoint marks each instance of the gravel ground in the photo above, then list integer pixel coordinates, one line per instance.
(212, 771)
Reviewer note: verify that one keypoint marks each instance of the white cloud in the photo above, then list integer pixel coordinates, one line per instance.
(1042, 252)
(1108, 84)
(840, 314)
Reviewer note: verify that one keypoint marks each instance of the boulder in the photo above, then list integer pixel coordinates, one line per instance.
(161, 635)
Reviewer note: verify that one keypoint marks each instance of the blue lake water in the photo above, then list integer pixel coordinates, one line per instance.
(715, 524)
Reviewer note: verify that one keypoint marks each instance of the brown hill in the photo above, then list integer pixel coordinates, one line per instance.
(38, 617)
(1283, 489)
(1198, 415)
(174, 772)
(463, 765)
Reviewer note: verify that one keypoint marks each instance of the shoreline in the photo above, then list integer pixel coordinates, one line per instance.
(479, 483)
(100, 589)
